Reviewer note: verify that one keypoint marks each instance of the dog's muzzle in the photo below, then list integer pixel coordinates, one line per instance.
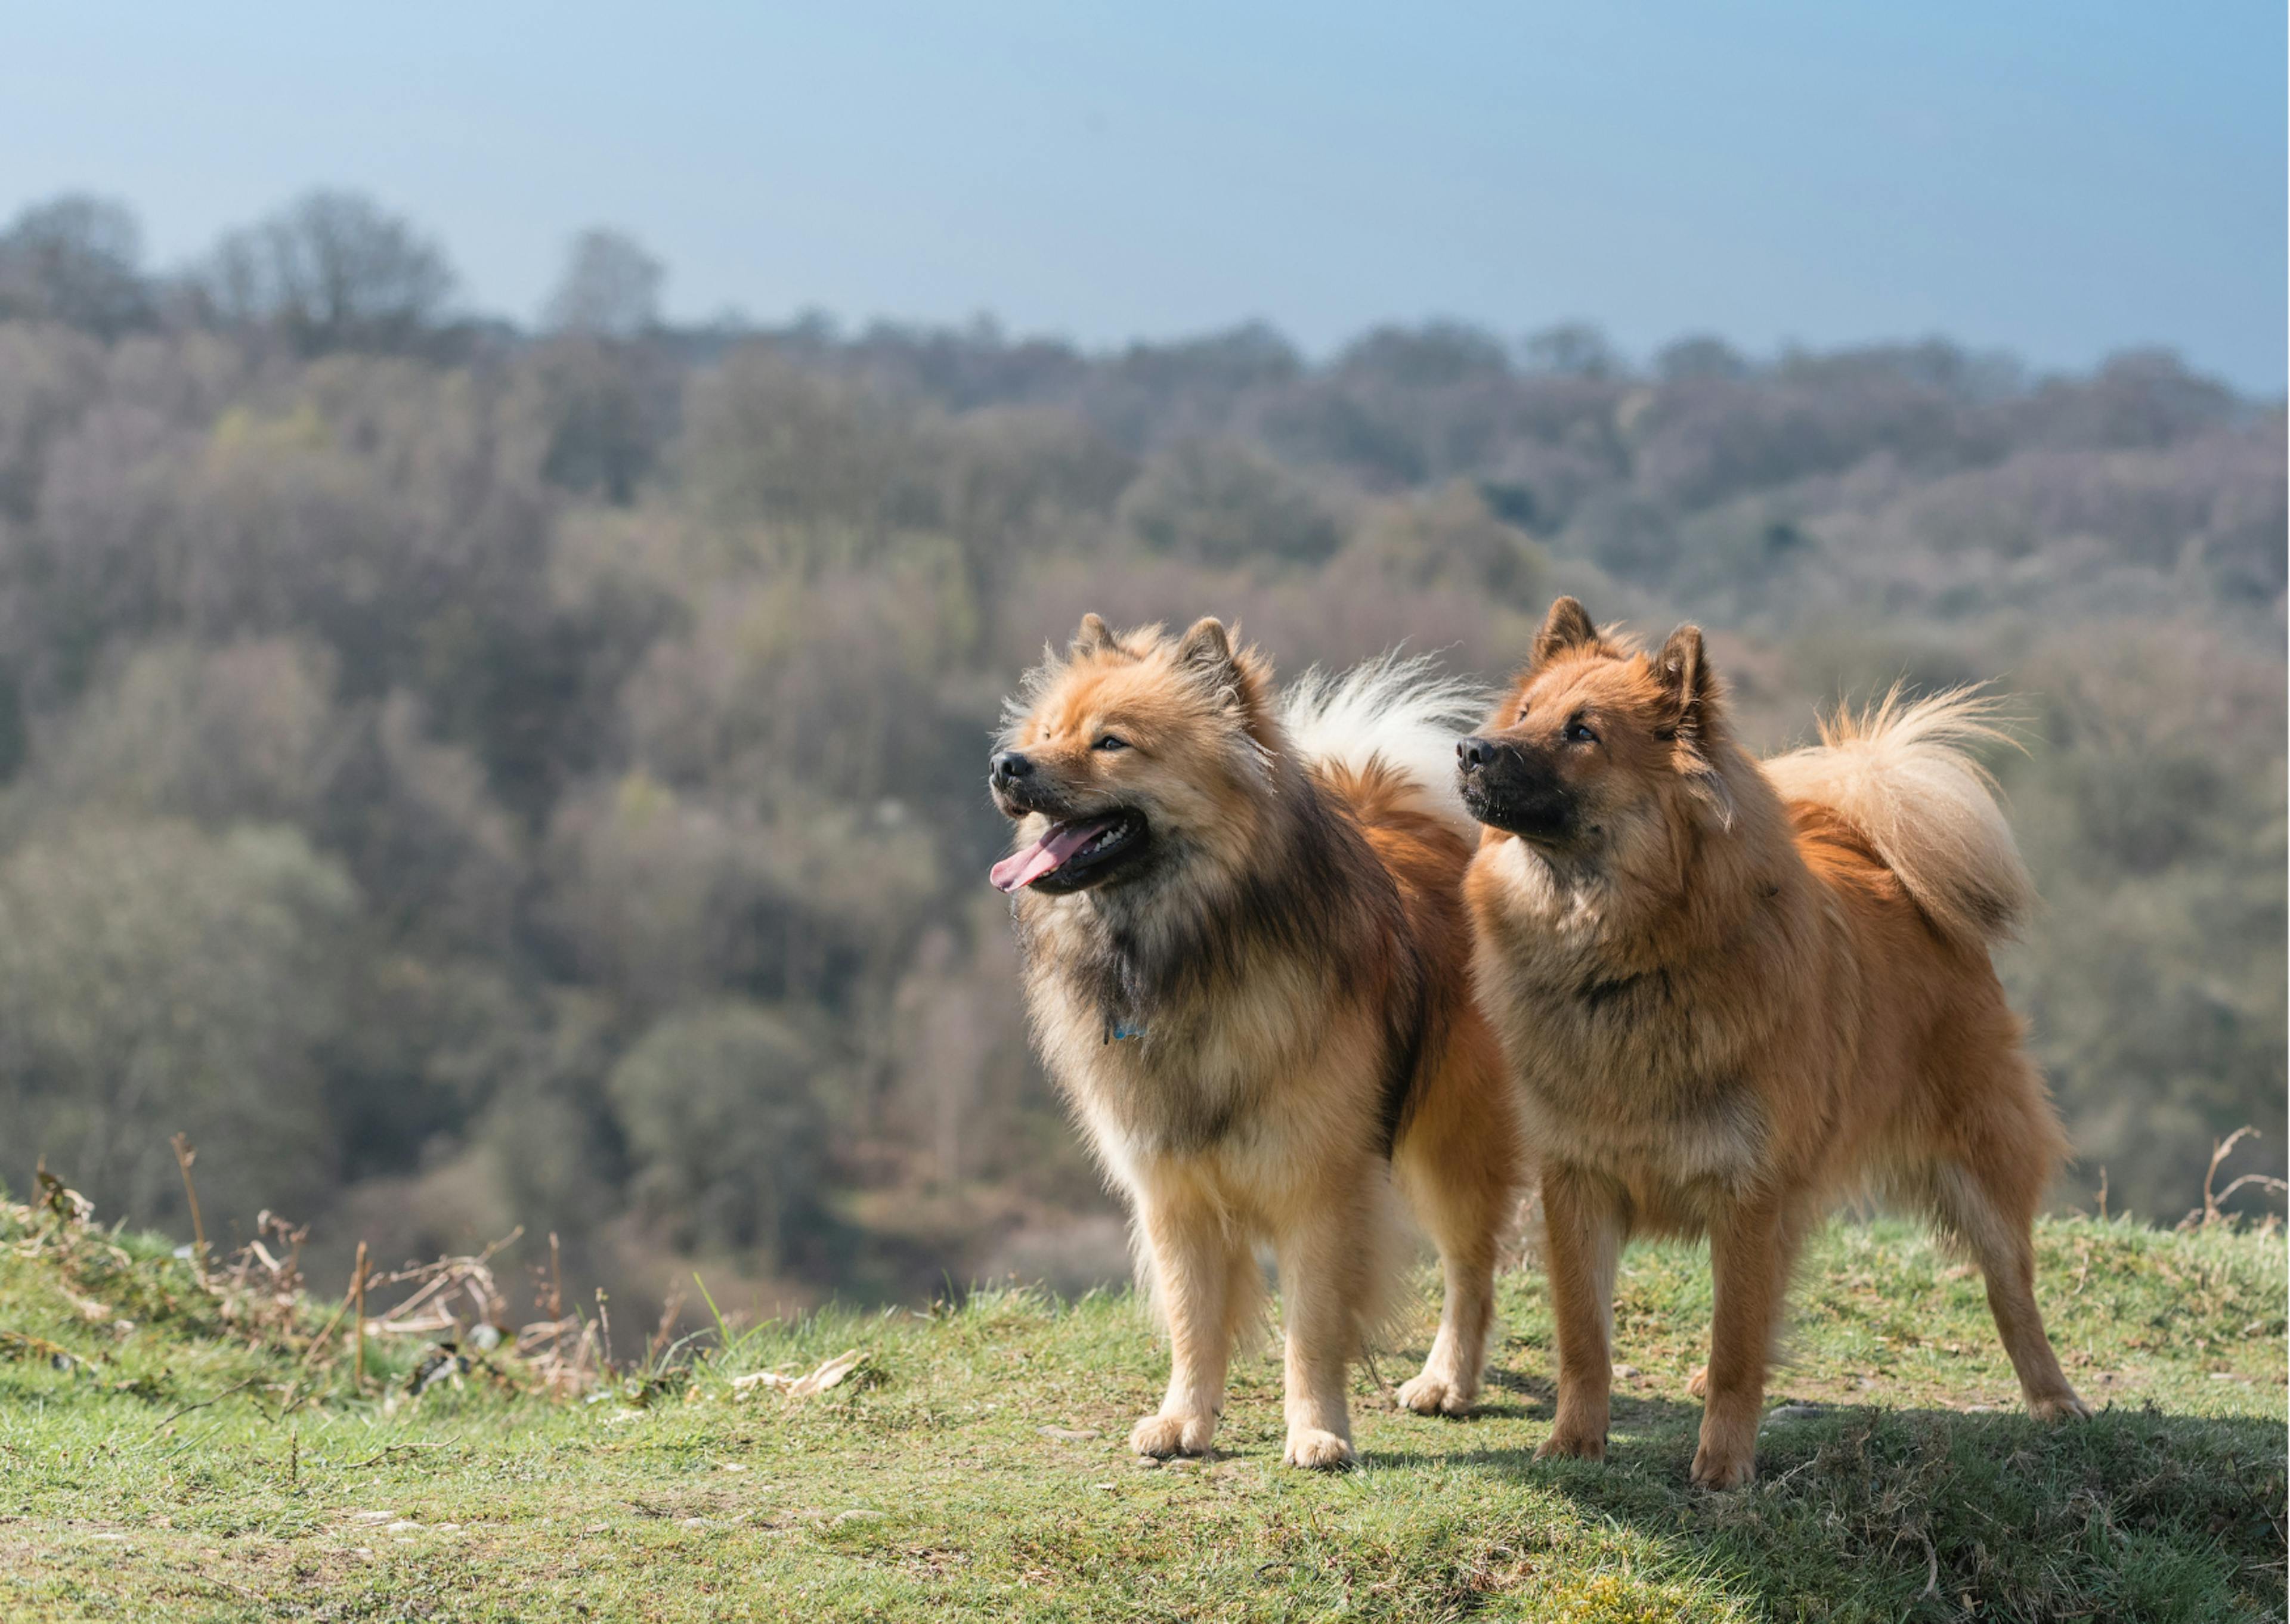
(1514, 787)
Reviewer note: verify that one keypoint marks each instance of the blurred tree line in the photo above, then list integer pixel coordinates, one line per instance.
(465, 776)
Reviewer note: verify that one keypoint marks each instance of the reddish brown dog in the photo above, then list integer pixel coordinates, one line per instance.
(1732, 993)
(1247, 961)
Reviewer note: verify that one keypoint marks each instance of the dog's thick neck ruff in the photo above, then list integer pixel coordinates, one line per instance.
(1148, 948)
(1674, 893)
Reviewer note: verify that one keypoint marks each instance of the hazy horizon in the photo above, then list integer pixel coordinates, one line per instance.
(2057, 184)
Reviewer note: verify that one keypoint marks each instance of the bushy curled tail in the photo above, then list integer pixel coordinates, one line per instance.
(1904, 775)
(1397, 713)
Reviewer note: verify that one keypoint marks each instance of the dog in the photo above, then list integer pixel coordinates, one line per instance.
(1247, 961)
(1732, 993)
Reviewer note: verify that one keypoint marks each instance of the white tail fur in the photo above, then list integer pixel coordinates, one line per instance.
(1399, 710)
(1903, 774)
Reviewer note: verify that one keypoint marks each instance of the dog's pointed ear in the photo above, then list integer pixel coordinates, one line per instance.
(1206, 647)
(1094, 638)
(1237, 677)
(1567, 625)
(1687, 681)
(1690, 687)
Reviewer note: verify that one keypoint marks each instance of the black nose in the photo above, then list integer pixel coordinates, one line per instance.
(1007, 768)
(1474, 752)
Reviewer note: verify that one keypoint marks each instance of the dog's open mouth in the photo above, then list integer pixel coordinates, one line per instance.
(1072, 855)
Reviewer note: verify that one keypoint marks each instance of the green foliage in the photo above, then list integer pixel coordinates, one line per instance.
(2155, 980)
(154, 977)
(721, 1109)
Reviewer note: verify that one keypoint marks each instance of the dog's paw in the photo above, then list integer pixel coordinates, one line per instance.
(1572, 1446)
(1431, 1395)
(1318, 1451)
(1163, 1435)
(1697, 1385)
(2059, 1407)
(1713, 1470)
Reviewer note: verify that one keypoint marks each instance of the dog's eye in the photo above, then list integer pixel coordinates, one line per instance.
(1111, 741)
(1578, 732)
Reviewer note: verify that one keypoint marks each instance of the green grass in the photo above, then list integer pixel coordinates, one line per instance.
(930, 1488)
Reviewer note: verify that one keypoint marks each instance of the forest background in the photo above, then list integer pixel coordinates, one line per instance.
(465, 776)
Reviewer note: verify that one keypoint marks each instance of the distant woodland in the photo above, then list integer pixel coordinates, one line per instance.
(465, 775)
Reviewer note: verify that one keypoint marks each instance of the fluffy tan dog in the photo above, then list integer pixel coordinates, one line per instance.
(1732, 993)
(1247, 962)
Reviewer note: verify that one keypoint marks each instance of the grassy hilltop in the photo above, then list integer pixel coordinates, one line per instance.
(168, 1450)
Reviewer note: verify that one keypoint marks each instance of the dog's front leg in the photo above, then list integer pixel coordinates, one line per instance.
(1192, 1256)
(1752, 1248)
(1582, 1237)
(1322, 1258)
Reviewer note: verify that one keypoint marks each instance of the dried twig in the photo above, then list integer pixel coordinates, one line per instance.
(357, 1291)
(664, 1333)
(2210, 1213)
(830, 1374)
(204, 1402)
(388, 1450)
(185, 1155)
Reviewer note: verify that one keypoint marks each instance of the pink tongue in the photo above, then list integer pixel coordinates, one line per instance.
(1022, 869)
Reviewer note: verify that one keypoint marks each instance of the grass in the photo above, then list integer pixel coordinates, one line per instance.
(973, 1468)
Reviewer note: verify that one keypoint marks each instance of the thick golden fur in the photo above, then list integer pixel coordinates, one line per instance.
(1271, 1018)
(1732, 994)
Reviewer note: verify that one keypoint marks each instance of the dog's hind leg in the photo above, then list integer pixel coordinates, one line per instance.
(1462, 1179)
(1198, 1265)
(1986, 1199)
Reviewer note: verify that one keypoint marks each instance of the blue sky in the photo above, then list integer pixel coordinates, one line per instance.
(2060, 181)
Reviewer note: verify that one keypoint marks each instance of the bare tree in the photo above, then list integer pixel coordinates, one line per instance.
(1572, 349)
(609, 289)
(332, 271)
(76, 260)
(1698, 358)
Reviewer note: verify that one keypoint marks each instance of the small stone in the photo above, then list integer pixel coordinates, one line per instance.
(1146, 1463)
(1069, 1435)
(1628, 1372)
